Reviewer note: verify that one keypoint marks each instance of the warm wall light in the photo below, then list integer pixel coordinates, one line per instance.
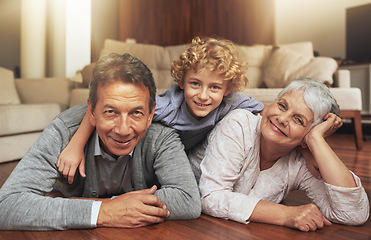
(33, 38)
(56, 30)
(78, 35)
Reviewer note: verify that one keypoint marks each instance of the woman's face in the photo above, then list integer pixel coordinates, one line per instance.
(287, 120)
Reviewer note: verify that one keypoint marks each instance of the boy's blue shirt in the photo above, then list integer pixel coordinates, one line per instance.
(171, 110)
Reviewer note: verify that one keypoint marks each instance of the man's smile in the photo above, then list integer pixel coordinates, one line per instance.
(121, 142)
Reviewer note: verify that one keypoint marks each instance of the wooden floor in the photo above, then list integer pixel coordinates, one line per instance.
(342, 143)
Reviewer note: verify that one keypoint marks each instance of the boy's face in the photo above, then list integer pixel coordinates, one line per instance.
(203, 91)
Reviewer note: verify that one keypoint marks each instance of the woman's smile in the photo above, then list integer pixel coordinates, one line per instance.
(276, 129)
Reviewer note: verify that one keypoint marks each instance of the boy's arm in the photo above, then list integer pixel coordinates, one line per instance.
(73, 154)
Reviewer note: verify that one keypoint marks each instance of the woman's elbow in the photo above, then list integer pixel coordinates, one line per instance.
(354, 219)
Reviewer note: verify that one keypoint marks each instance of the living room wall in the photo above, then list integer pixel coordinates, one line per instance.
(168, 22)
(322, 22)
(319, 21)
(10, 32)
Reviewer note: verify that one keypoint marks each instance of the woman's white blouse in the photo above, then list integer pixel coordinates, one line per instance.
(231, 183)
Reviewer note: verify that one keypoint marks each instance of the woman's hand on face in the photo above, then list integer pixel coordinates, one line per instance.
(335, 123)
(330, 124)
(305, 218)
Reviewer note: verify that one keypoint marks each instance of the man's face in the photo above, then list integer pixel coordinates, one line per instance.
(121, 116)
(203, 91)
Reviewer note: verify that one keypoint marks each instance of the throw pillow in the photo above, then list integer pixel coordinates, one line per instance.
(287, 65)
(321, 69)
(281, 66)
(150, 54)
(305, 48)
(8, 92)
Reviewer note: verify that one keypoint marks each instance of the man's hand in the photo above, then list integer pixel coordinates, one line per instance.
(305, 218)
(133, 209)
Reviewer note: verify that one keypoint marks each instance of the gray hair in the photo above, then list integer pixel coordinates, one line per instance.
(317, 96)
(124, 68)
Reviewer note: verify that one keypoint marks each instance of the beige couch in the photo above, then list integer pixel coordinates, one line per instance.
(270, 69)
(26, 107)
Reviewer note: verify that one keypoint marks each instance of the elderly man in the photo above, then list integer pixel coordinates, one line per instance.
(137, 172)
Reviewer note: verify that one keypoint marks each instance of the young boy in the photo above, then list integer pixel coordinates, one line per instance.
(208, 76)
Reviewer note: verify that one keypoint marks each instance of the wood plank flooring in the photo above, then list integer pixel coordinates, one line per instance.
(342, 143)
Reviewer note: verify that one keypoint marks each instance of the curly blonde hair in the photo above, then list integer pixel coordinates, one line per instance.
(215, 55)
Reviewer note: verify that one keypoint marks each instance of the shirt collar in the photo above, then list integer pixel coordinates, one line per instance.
(98, 150)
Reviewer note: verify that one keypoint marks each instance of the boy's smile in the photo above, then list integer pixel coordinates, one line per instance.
(203, 91)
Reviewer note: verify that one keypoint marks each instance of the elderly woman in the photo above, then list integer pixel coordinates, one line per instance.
(251, 163)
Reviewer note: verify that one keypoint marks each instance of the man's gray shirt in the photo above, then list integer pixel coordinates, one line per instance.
(158, 159)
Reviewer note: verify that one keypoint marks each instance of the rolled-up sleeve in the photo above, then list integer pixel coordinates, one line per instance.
(338, 204)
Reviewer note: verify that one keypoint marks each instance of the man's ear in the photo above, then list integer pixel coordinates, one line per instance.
(150, 117)
(91, 114)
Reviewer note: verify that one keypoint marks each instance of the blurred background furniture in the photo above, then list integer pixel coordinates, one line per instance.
(270, 68)
(26, 107)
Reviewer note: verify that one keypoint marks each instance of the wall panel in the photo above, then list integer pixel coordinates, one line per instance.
(171, 22)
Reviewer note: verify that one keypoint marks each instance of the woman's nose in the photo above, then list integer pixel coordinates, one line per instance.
(283, 119)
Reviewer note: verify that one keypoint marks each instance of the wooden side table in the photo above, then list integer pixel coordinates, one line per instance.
(360, 75)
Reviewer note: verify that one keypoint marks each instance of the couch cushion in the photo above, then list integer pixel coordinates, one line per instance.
(264, 95)
(173, 53)
(23, 118)
(347, 98)
(158, 59)
(305, 48)
(8, 92)
(87, 73)
(321, 69)
(286, 65)
(151, 55)
(163, 78)
(44, 90)
(257, 57)
(16, 146)
(282, 64)
(255, 77)
(79, 96)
